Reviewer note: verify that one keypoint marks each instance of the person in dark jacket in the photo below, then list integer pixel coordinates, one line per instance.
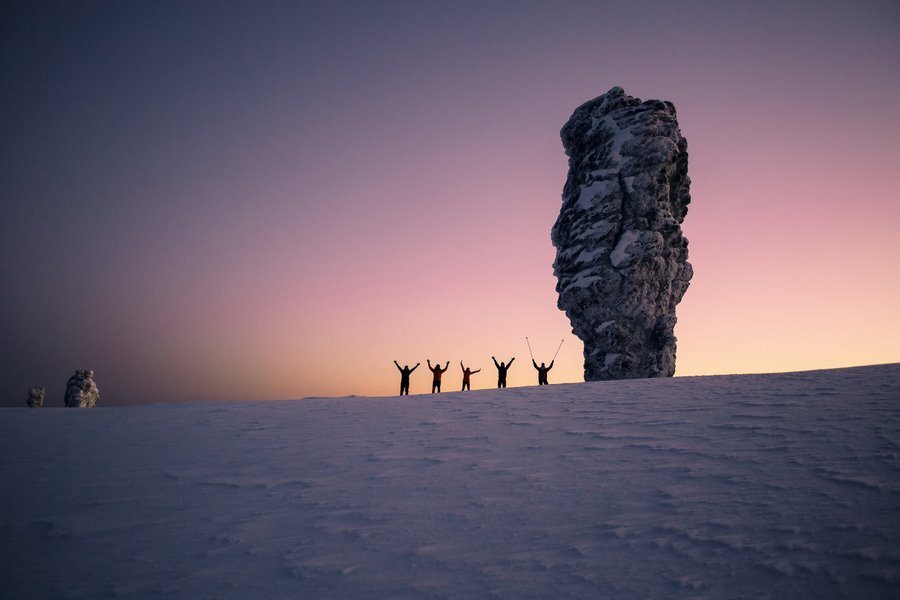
(501, 371)
(466, 373)
(404, 377)
(542, 371)
(438, 371)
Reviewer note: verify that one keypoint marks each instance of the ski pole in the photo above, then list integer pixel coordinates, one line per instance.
(557, 349)
(529, 347)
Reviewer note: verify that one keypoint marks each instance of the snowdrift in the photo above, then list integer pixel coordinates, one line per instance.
(784, 485)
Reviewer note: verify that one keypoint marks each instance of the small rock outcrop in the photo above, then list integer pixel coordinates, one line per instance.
(621, 259)
(36, 397)
(81, 391)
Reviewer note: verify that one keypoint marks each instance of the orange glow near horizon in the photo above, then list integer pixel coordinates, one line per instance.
(786, 278)
(779, 289)
(228, 205)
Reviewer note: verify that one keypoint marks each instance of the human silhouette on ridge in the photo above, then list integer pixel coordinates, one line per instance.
(501, 371)
(438, 371)
(542, 371)
(404, 377)
(466, 373)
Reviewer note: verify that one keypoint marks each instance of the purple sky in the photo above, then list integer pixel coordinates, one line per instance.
(272, 200)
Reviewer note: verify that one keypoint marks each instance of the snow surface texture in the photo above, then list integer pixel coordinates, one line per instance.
(81, 391)
(621, 259)
(762, 486)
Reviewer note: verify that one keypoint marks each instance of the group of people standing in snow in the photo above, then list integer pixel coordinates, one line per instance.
(437, 372)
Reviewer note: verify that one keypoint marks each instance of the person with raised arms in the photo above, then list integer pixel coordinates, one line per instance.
(438, 371)
(466, 373)
(502, 368)
(542, 371)
(404, 377)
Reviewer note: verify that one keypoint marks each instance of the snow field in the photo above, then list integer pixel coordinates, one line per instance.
(763, 486)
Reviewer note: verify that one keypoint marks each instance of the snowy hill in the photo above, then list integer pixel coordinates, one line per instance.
(780, 486)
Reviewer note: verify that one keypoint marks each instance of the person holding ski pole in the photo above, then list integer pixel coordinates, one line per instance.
(466, 373)
(502, 368)
(404, 377)
(438, 371)
(542, 371)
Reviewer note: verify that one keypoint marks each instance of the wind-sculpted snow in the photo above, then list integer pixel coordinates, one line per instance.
(756, 486)
(621, 259)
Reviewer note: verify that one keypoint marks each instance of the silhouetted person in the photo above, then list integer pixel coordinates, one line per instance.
(542, 371)
(466, 374)
(438, 371)
(404, 377)
(501, 371)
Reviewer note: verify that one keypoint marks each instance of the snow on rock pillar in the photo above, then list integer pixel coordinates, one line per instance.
(621, 258)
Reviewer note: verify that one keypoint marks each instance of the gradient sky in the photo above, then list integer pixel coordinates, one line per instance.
(215, 200)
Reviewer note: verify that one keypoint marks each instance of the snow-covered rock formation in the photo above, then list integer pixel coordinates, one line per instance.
(81, 391)
(36, 397)
(621, 258)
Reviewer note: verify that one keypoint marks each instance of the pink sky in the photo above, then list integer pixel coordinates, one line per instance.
(282, 215)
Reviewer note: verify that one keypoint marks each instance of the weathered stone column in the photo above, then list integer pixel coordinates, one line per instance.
(621, 259)
(81, 391)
